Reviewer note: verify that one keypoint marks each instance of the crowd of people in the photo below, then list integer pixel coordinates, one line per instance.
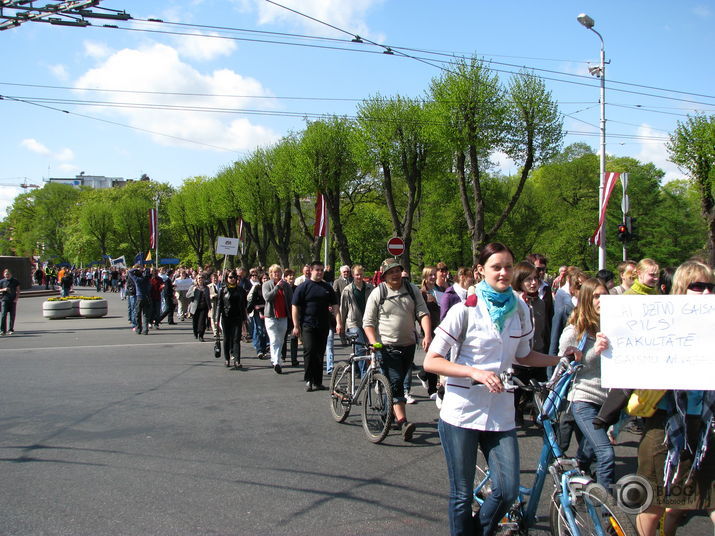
(500, 313)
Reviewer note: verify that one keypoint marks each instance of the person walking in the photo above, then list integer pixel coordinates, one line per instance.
(279, 297)
(492, 329)
(314, 303)
(200, 306)
(9, 294)
(390, 314)
(338, 286)
(142, 288)
(232, 304)
(587, 395)
(352, 310)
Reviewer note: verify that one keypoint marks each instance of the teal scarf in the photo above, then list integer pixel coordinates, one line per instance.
(501, 305)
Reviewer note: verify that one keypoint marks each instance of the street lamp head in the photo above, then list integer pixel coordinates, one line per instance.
(586, 21)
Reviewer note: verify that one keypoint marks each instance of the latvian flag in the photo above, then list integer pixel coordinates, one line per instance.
(321, 217)
(611, 180)
(153, 228)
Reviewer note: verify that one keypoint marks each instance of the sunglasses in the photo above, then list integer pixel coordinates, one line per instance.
(699, 286)
(231, 277)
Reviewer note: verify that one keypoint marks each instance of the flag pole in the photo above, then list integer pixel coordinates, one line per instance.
(327, 232)
(156, 262)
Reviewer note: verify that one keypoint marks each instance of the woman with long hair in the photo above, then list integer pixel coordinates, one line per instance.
(429, 294)
(200, 306)
(587, 395)
(687, 462)
(231, 316)
(492, 329)
(526, 284)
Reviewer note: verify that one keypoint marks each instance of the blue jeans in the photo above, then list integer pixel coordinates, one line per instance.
(259, 335)
(131, 308)
(597, 440)
(360, 347)
(396, 364)
(330, 352)
(502, 454)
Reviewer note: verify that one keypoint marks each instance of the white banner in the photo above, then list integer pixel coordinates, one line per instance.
(658, 342)
(227, 246)
(119, 262)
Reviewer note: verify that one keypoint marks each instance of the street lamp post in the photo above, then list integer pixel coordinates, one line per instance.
(589, 23)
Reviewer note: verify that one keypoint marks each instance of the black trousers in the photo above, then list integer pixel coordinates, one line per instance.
(314, 341)
(231, 337)
(8, 308)
(143, 309)
(199, 321)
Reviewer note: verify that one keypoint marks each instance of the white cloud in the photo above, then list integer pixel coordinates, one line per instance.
(35, 146)
(349, 16)
(202, 48)
(655, 152)
(96, 50)
(59, 71)
(7, 196)
(702, 11)
(63, 155)
(159, 68)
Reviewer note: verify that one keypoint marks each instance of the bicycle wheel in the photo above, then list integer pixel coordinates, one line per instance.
(340, 392)
(595, 512)
(377, 408)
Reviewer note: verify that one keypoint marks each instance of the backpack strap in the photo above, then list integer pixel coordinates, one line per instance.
(410, 290)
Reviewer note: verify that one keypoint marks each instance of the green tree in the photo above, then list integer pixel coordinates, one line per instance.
(327, 164)
(478, 118)
(692, 148)
(396, 146)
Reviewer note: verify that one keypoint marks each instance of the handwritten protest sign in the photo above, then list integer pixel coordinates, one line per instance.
(659, 342)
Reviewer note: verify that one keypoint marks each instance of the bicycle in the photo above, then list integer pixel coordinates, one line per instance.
(578, 505)
(376, 400)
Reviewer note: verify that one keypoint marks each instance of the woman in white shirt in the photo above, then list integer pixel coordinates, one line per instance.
(491, 333)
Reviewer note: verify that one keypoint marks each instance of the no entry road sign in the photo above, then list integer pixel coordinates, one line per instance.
(396, 246)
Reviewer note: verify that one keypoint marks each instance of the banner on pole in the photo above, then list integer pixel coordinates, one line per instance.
(119, 262)
(610, 179)
(227, 246)
(320, 228)
(153, 228)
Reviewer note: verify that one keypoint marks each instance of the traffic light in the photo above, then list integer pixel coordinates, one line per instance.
(623, 233)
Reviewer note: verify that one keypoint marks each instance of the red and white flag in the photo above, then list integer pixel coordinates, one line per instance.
(611, 180)
(153, 228)
(320, 228)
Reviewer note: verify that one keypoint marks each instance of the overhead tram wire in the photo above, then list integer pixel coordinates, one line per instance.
(43, 104)
(116, 123)
(450, 55)
(396, 51)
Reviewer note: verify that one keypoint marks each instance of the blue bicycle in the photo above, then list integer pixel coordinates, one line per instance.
(578, 506)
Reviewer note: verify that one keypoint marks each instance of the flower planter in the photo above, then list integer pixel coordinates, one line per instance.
(75, 308)
(56, 309)
(93, 308)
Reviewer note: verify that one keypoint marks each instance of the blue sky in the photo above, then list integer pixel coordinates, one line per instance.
(259, 91)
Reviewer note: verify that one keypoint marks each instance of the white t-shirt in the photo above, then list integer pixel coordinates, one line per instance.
(473, 406)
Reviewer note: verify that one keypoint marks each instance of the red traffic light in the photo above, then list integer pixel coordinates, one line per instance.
(622, 232)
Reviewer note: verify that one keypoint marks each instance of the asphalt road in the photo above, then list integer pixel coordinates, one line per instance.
(105, 432)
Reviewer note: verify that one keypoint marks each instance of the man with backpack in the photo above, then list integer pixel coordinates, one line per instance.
(390, 314)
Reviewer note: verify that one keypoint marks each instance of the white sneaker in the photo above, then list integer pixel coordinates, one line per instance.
(410, 400)
(433, 396)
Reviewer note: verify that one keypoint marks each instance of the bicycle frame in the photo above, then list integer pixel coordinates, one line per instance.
(551, 461)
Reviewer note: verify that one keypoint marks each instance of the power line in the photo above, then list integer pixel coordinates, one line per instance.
(116, 123)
